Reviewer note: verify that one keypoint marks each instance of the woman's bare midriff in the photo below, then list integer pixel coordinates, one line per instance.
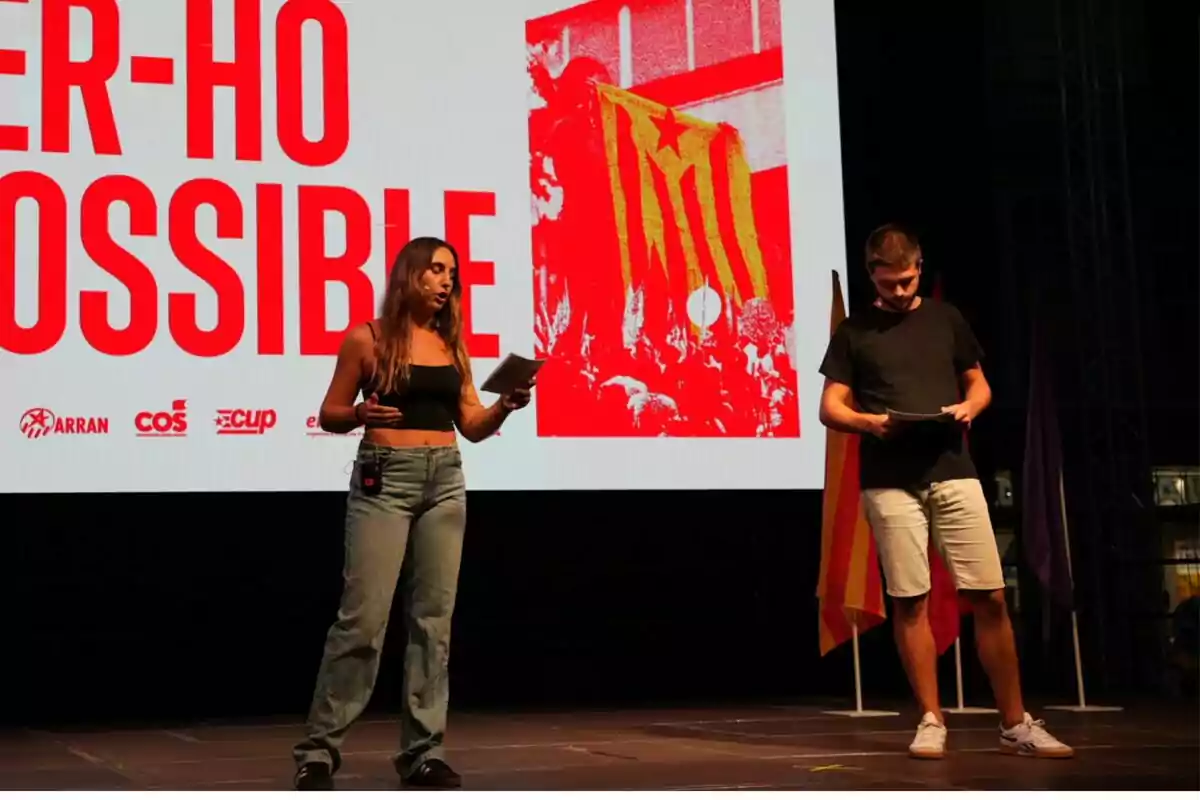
(391, 437)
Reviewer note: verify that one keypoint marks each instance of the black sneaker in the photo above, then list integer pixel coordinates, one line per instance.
(433, 774)
(315, 776)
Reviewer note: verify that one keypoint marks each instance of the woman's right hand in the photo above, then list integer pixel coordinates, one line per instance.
(373, 415)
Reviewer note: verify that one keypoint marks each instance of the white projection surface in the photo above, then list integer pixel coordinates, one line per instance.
(198, 197)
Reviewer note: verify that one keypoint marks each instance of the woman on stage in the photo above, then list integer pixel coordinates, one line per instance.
(406, 506)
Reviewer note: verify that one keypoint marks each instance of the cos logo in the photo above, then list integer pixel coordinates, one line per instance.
(150, 424)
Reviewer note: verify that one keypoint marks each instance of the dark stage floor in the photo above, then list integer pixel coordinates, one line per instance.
(770, 747)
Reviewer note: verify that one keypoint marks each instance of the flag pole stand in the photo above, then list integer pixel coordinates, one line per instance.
(1082, 707)
(858, 711)
(958, 680)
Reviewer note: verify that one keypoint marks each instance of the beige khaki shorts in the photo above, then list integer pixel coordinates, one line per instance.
(956, 513)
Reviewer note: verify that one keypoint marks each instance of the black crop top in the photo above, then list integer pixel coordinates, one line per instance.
(429, 401)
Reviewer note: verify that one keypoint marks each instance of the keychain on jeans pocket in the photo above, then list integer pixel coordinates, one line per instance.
(370, 476)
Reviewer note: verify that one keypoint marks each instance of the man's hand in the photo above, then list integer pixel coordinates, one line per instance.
(963, 413)
(881, 426)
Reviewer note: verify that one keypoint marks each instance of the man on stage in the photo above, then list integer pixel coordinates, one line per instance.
(915, 356)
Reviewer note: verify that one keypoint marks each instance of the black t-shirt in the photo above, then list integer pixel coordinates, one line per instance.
(907, 362)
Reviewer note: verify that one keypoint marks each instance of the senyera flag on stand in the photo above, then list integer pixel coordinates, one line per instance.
(850, 588)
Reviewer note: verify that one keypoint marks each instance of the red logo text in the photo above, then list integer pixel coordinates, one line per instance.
(245, 422)
(163, 423)
(37, 423)
(250, 301)
(313, 424)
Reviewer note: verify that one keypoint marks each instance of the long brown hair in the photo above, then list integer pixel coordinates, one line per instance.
(393, 359)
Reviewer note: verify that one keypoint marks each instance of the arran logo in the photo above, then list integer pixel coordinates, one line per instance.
(245, 422)
(38, 423)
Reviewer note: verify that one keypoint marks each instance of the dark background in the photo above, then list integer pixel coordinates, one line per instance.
(1047, 152)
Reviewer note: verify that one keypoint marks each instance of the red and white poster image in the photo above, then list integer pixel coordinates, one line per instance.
(662, 256)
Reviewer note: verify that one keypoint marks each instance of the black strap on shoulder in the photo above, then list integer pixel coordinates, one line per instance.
(371, 326)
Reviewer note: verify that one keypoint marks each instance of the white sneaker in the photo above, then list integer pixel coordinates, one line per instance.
(930, 741)
(1031, 738)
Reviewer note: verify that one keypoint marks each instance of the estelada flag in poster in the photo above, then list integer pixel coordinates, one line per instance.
(664, 294)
